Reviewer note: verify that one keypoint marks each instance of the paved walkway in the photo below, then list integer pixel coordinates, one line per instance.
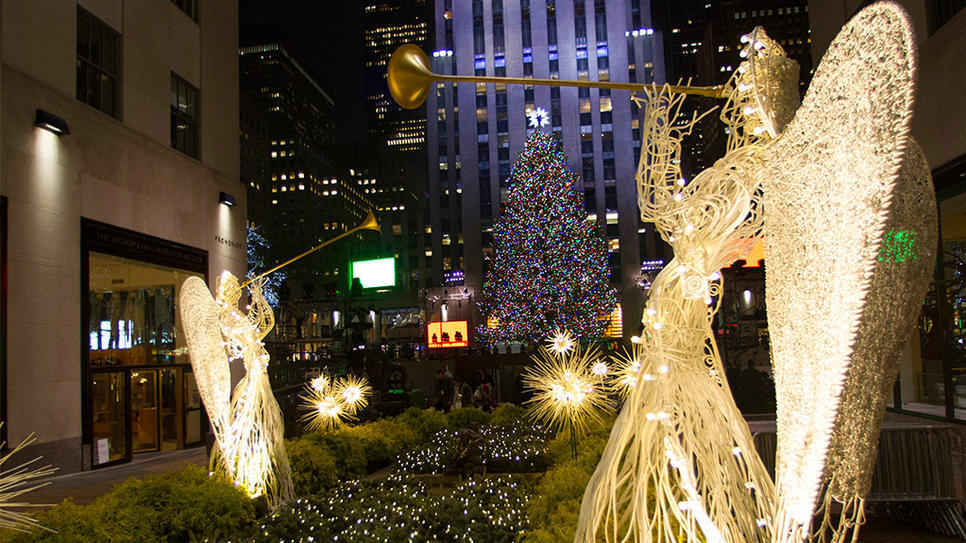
(84, 486)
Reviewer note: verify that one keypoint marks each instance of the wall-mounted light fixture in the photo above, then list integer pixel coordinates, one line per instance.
(225, 198)
(51, 122)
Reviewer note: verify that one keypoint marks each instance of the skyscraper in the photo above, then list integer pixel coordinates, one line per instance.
(397, 135)
(304, 198)
(389, 24)
(567, 39)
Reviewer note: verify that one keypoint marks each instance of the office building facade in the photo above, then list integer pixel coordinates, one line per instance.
(301, 198)
(119, 159)
(388, 25)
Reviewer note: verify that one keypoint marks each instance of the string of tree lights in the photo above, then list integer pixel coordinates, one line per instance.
(549, 270)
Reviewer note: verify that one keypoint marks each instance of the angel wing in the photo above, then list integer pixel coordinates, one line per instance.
(209, 359)
(830, 186)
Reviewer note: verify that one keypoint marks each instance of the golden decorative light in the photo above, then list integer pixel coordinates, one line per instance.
(354, 391)
(334, 404)
(561, 342)
(566, 393)
(319, 383)
(16, 482)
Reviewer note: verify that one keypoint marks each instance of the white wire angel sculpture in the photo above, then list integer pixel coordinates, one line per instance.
(247, 425)
(835, 176)
(680, 460)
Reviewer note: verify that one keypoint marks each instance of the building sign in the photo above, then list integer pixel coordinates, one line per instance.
(453, 278)
(380, 272)
(113, 240)
(447, 334)
(898, 246)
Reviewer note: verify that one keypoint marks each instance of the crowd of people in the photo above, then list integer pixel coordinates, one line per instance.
(454, 392)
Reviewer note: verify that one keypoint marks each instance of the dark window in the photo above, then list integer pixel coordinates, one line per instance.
(98, 60)
(610, 198)
(942, 11)
(184, 116)
(189, 7)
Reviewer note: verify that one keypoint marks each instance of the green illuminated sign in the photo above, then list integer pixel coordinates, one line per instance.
(898, 246)
(380, 272)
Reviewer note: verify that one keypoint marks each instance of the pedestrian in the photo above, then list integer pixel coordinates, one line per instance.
(463, 394)
(444, 390)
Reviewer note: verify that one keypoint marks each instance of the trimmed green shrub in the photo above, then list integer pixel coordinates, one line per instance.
(184, 505)
(382, 440)
(556, 504)
(348, 451)
(466, 417)
(555, 507)
(313, 466)
(508, 414)
(423, 422)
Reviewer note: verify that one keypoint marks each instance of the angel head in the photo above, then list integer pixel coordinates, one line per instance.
(228, 289)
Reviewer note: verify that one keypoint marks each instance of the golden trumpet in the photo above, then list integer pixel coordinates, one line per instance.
(410, 79)
(369, 223)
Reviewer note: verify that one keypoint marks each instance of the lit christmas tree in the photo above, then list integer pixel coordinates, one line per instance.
(550, 266)
(257, 247)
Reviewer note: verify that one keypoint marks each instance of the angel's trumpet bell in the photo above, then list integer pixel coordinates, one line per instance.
(370, 222)
(409, 76)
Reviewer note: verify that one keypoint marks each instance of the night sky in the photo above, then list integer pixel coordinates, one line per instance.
(326, 38)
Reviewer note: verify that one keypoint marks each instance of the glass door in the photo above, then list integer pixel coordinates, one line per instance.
(110, 413)
(144, 410)
(171, 407)
(193, 419)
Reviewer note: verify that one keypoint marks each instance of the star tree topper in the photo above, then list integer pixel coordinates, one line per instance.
(538, 117)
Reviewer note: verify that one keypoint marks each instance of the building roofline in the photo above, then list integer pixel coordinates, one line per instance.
(268, 47)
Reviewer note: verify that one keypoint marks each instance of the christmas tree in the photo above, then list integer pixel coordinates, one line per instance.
(258, 246)
(549, 269)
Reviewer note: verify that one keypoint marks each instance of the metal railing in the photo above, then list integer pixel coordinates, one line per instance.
(919, 475)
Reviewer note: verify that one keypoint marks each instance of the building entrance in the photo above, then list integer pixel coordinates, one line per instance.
(140, 393)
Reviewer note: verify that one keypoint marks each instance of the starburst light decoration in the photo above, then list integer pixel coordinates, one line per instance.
(538, 117)
(561, 342)
(628, 371)
(247, 424)
(566, 394)
(319, 383)
(600, 369)
(354, 391)
(337, 402)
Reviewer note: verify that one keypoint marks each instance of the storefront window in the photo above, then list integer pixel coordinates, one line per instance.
(132, 313)
(141, 392)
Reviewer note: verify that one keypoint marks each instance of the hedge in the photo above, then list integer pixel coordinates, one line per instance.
(184, 505)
